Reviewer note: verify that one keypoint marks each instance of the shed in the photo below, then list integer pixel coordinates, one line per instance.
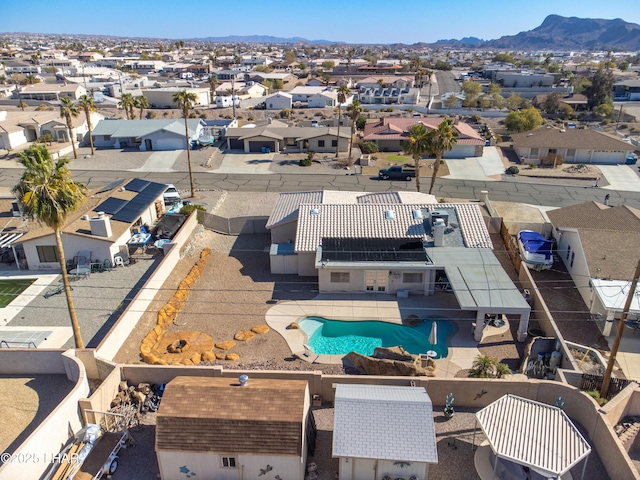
(220, 428)
(384, 429)
(528, 436)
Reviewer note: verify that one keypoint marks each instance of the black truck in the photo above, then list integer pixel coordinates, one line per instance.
(397, 173)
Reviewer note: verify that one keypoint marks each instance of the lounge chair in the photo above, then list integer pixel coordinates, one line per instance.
(107, 265)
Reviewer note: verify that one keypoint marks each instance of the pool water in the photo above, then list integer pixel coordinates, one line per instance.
(11, 289)
(335, 337)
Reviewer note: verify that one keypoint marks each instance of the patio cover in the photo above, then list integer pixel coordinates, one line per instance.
(533, 434)
(478, 280)
(613, 294)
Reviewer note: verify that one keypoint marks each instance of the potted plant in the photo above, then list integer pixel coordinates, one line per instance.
(448, 406)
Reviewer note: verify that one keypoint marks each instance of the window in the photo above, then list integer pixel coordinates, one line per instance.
(229, 462)
(573, 256)
(412, 277)
(321, 143)
(553, 151)
(107, 138)
(568, 251)
(571, 152)
(534, 152)
(334, 143)
(339, 277)
(47, 253)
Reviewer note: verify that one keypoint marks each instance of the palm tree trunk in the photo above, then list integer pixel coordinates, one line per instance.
(338, 134)
(186, 136)
(73, 143)
(88, 115)
(351, 140)
(436, 167)
(67, 290)
(416, 160)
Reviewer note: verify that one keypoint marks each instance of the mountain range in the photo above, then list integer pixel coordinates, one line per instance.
(566, 33)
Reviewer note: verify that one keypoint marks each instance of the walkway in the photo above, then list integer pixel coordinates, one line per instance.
(488, 168)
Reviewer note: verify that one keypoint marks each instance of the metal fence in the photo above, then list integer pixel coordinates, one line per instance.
(233, 226)
(594, 382)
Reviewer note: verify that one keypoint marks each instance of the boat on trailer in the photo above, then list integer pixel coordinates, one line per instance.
(535, 250)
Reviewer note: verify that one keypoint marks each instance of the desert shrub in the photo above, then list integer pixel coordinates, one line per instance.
(187, 209)
(596, 396)
(512, 170)
(150, 114)
(531, 166)
(369, 147)
(308, 160)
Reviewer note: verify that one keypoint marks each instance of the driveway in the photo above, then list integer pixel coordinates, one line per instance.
(160, 161)
(246, 163)
(621, 177)
(489, 167)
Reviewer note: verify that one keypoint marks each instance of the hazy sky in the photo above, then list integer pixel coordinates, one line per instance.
(371, 21)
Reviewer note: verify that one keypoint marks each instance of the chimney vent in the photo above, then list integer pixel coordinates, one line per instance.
(244, 379)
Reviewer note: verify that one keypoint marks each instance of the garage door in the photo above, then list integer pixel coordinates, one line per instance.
(235, 144)
(257, 146)
(607, 157)
(1, 142)
(168, 144)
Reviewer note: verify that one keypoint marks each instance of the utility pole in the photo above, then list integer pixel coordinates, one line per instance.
(616, 343)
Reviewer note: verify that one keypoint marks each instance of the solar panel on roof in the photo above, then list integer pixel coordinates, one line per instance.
(111, 186)
(134, 207)
(137, 185)
(111, 205)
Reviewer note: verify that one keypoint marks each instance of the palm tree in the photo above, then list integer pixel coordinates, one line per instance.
(441, 140)
(47, 193)
(355, 109)
(343, 92)
(30, 79)
(416, 146)
(186, 101)
(86, 103)
(127, 102)
(69, 109)
(17, 80)
(428, 73)
(213, 84)
(141, 102)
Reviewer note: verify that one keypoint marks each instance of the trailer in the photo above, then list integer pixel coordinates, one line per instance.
(92, 454)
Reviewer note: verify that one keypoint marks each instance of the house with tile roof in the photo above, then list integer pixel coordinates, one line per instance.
(384, 429)
(598, 245)
(574, 145)
(390, 133)
(163, 134)
(221, 428)
(278, 138)
(102, 225)
(393, 243)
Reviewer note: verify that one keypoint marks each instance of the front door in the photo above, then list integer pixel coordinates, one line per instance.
(147, 144)
(376, 280)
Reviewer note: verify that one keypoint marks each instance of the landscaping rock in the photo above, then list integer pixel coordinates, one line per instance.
(260, 329)
(244, 336)
(226, 345)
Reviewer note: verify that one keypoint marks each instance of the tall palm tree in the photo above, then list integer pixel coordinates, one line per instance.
(141, 102)
(30, 79)
(127, 102)
(17, 80)
(428, 73)
(213, 84)
(441, 140)
(355, 109)
(47, 193)
(87, 104)
(186, 100)
(69, 109)
(343, 92)
(416, 146)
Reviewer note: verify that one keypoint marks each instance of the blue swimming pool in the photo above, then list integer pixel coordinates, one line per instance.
(334, 337)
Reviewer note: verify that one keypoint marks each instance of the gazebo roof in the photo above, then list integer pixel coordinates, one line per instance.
(533, 434)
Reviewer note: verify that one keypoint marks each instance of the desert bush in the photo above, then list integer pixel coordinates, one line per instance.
(512, 170)
(187, 209)
(369, 147)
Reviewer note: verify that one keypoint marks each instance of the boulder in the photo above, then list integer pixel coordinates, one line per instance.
(226, 345)
(260, 329)
(391, 366)
(244, 336)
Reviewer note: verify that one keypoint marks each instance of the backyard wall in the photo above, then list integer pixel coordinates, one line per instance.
(473, 393)
(233, 226)
(49, 437)
(120, 332)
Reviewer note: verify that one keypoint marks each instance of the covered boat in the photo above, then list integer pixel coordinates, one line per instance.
(535, 249)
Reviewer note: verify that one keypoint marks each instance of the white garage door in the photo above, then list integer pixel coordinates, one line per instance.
(607, 157)
(169, 144)
(461, 151)
(1, 142)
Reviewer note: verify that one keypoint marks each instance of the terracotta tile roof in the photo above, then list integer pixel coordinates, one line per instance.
(203, 414)
(594, 215)
(391, 128)
(574, 138)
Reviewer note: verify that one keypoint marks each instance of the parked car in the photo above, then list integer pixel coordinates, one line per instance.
(171, 195)
(397, 173)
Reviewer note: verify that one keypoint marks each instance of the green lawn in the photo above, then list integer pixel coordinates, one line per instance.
(397, 158)
(10, 289)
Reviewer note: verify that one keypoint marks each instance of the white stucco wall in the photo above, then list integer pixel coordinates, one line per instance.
(579, 271)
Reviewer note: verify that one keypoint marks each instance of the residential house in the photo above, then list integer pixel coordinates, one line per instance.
(403, 82)
(102, 225)
(237, 75)
(163, 97)
(577, 102)
(260, 77)
(21, 68)
(576, 145)
(389, 95)
(302, 93)
(50, 92)
(224, 429)
(394, 243)
(379, 69)
(287, 139)
(626, 90)
(278, 101)
(327, 99)
(251, 90)
(164, 134)
(406, 448)
(596, 243)
(390, 133)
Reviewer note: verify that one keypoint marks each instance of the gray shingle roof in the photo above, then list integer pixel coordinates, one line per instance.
(577, 138)
(384, 422)
(139, 128)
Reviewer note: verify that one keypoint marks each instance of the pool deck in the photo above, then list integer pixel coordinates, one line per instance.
(381, 307)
